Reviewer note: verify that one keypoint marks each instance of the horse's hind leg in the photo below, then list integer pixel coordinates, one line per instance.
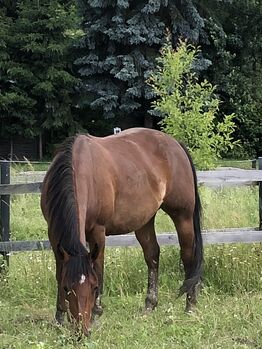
(147, 239)
(183, 221)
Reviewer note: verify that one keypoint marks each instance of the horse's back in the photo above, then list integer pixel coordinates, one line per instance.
(152, 153)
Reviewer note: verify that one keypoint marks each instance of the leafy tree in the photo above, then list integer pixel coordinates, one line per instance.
(236, 52)
(117, 52)
(37, 84)
(190, 107)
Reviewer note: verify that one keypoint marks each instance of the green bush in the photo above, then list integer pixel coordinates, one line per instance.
(190, 107)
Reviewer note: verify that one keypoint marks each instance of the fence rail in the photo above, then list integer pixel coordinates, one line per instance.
(129, 240)
(215, 178)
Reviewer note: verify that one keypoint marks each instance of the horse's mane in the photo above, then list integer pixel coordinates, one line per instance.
(62, 212)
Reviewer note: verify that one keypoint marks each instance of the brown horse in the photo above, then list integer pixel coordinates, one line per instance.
(114, 185)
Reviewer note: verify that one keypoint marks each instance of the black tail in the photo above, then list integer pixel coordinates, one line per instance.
(196, 272)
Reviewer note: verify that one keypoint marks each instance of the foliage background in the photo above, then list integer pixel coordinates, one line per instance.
(68, 66)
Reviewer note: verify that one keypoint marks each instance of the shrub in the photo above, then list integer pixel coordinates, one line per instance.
(190, 107)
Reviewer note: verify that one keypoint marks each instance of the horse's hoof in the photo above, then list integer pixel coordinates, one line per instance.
(98, 310)
(150, 305)
(149, 308)
(190, 309)
(147, 311)
(59, 317)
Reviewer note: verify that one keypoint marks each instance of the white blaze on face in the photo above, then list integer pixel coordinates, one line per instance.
(82, 279)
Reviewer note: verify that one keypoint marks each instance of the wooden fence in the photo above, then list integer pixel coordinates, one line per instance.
(217, 178)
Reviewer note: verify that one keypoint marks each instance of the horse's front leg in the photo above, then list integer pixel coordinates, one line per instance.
(60, 302)
(147, 239)
(97, 241)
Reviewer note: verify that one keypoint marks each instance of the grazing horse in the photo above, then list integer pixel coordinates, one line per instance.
(114, 185)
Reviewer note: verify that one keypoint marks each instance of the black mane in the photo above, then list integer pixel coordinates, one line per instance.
(62, 213)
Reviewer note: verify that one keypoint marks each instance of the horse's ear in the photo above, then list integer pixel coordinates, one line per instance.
(94, 253)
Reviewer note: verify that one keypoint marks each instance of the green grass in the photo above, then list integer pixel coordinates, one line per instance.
(244, 164)
(222, 208)
(231, 322)
(230, 207)
(28, 166)
(27, 222)
(229, 312)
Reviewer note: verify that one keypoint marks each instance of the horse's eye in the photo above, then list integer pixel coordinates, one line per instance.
(95, 290)
(66, 289)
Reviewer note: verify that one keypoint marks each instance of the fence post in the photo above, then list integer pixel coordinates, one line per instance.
(260, 194)
(254, 163)
(5, 205)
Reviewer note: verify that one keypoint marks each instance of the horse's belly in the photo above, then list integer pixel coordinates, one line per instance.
(127, 219)
(137, 200)
(115, 228)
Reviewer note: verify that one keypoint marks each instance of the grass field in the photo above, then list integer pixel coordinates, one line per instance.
(229, 313)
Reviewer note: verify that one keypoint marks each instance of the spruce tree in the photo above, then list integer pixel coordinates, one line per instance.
(37, 84)
(120, 44)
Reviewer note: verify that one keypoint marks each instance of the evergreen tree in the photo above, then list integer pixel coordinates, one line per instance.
(36, 84)
(117, 53)
(236, 52)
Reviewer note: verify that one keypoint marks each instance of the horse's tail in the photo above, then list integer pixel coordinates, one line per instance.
(62, 211)
(195, 274)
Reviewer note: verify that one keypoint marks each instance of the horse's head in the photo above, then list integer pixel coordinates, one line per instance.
(80, 288)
